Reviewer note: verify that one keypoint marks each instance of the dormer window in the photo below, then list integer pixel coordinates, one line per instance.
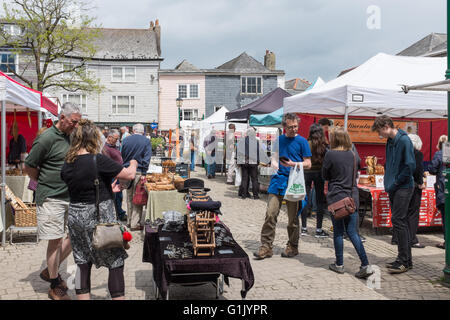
(12, 29)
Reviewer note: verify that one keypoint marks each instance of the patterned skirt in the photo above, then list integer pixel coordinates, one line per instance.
(81, 222)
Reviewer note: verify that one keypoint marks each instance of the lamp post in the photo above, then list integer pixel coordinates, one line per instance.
(447, 172)
(179, 105)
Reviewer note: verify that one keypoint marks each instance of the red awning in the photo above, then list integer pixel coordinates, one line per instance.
(47, 104)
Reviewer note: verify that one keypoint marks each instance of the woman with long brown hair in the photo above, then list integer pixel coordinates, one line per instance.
(338, 169)
(318, 146)
(79, 172)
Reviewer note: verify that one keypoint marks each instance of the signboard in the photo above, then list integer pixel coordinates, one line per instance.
(154, 125)
(360, 129)
(182, 169)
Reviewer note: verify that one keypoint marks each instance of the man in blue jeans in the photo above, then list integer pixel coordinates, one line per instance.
(210, 145)
(399, 184)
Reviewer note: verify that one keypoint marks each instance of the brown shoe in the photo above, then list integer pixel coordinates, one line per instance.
(289, 252)
(263, 253)
(58, 293)
(46, 277)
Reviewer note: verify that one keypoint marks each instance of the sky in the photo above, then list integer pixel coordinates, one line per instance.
(310, 38)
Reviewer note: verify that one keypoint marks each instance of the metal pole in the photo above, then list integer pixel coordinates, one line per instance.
(346, 117)
(39, 120)
(447, 172)
(3, 184)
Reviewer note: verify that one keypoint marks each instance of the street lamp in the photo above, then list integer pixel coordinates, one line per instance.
(179, 105)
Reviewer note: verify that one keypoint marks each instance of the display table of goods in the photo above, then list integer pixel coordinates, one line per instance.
(163, 195)
(197, 249)
(378, 199)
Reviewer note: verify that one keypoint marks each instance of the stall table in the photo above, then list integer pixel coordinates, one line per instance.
(195, 269)
(161, 201)
(381, 212)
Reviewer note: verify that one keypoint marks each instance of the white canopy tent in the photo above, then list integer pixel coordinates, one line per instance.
(375, 88)
(13, 95)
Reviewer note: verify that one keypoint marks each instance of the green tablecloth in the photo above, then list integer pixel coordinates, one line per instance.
(161, 201)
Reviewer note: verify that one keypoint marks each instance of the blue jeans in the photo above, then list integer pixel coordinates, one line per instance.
(348, 224)
(192, 160)
(212, 169)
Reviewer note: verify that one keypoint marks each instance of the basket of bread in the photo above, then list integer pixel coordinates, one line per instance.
(160, 182)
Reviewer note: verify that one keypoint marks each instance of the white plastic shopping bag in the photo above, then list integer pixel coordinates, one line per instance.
(238, 179)
(296, 189)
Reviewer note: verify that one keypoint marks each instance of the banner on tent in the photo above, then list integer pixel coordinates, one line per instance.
(360, 129)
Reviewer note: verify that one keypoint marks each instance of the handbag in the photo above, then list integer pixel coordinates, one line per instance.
(140, 196)
(106, 235)
(345, 207)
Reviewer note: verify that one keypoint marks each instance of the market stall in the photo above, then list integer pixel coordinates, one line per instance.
(16, 98)
(372, 89)
(192, 245)
(378, 201)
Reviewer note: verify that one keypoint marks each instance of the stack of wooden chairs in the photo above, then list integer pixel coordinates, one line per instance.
(201, 226)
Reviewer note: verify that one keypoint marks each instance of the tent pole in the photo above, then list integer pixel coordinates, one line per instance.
(346, 117)
(3, 161)
(39, 120)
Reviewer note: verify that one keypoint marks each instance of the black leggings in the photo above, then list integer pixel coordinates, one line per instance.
(116, 281)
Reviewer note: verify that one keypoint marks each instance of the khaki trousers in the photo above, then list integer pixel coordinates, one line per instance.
(268, 229)
(134, 212)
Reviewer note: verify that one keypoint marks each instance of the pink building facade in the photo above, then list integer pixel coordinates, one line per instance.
(180, 83)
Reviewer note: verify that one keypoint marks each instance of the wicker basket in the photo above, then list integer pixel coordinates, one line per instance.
(25, 217)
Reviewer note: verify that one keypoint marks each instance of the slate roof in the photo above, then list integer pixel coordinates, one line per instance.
(429, 45)
(126, 44)
(297, 84)
(242, 64)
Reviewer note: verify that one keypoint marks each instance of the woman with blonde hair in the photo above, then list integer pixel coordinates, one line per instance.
(79, 172)
(437, 167)
(339, 170)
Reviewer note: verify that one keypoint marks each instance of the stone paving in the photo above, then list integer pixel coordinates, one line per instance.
(305, 276)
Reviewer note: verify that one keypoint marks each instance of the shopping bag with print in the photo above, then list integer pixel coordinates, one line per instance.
(296, 189)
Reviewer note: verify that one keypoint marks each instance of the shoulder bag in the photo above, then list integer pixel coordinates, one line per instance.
(345, 207)
(106, 235)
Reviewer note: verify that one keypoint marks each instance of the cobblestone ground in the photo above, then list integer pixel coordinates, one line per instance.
(305, 276)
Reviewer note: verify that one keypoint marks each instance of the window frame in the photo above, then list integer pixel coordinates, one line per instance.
(115, 98)
(16, 61)
(123, 80)
(256, 85)
(81, 95)
(193, 110)
(188, 90)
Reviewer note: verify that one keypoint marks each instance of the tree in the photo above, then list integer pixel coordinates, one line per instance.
(52, 33)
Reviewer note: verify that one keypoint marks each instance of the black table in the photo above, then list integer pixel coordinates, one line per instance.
(195, 269)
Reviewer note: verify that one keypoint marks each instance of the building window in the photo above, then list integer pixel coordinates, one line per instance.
(188, 91)
(189, 114)
(78, 99)
(12, 29)
(251, 85)
(123, 105)
(123, 74)
(8, 62)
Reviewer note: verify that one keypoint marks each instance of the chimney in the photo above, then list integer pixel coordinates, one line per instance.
(269, 60)
(157, 29)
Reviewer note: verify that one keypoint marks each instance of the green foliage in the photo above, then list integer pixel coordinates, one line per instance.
(52, 31)
(158, 141)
